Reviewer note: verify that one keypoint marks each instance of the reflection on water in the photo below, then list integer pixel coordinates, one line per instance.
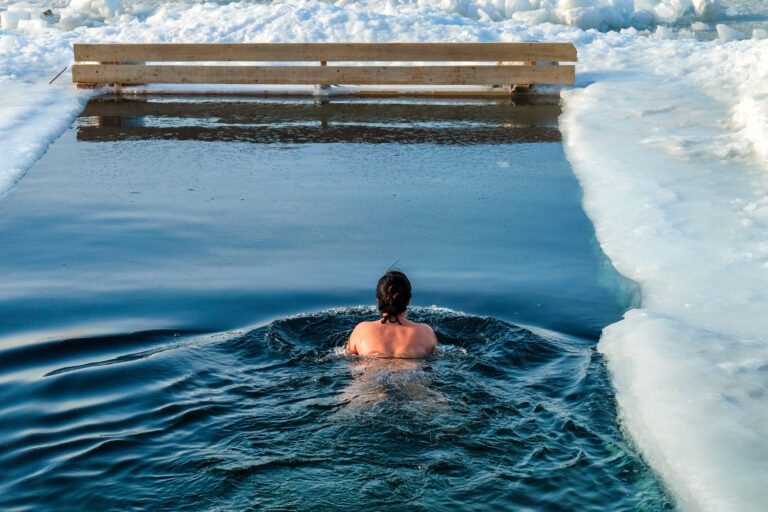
(278, 418)
(207, 215)
(194, 217)
(280, 121)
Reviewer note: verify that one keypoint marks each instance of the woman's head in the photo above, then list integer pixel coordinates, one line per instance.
(393, 293)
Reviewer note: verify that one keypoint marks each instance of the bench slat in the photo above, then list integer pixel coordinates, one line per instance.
(322, 75)
(334, 52)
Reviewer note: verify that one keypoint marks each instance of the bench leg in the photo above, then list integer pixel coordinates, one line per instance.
(523, 89)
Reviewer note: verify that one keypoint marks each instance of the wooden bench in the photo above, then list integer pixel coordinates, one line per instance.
(503, 68)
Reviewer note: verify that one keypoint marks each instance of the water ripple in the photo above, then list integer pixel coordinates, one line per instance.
(279, 418)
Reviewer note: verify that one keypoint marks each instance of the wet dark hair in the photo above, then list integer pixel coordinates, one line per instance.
(393, 293)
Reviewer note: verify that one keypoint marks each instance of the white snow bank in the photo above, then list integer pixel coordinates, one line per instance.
(672, 375)
(669, 146)
(33, 115)
(585, 14)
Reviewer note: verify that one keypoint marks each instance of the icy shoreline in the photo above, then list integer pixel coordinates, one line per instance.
(677, 194)
(667, 135)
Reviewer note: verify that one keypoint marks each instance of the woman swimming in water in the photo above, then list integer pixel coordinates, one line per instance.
(393, 335)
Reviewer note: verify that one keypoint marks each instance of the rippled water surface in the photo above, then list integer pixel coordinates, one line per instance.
(278, 418)
(137, 248)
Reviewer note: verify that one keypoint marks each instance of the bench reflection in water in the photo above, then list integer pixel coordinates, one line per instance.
(297, 121)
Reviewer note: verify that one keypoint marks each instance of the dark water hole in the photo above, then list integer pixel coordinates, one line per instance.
(278, 418)
(179, 221)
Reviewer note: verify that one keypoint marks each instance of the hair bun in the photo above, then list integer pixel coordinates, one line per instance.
(393, 293)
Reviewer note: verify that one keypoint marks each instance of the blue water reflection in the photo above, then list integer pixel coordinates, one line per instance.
(181, 229)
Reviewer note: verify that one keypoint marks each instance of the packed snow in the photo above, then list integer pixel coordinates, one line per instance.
(666, 129)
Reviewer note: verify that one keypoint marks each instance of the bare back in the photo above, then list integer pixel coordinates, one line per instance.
(409, 340)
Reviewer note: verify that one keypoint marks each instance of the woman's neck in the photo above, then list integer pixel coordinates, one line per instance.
(400, 317)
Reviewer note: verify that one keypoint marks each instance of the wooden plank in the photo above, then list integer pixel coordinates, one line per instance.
(338, 52)
(128, 74)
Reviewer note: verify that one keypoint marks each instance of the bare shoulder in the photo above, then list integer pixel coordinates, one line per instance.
(429, 333)
(358, 333)
(426, 328)
(359, 329)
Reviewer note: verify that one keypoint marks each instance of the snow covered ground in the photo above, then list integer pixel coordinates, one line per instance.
(666, 129)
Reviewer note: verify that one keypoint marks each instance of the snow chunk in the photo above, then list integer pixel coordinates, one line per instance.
(88, 13)
(9, 20)
(726, 33)
(706, 9)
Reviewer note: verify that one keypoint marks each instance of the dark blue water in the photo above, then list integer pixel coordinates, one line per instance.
(208, 215)
(277, 418)
(135, 252)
